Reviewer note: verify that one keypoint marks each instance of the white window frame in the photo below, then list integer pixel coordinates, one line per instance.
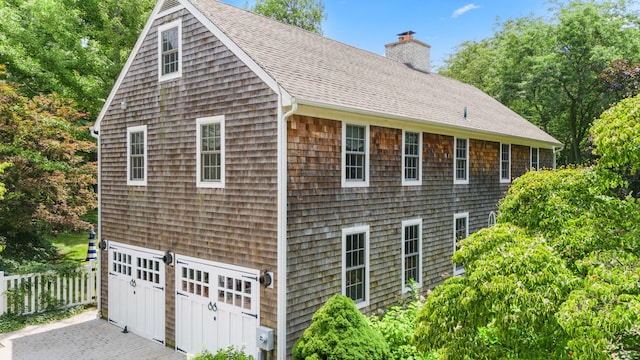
(459, 269)
(161, 29)
(405, 224)
(502, 178)
(537, 163)
(355, 183)
(209, 121)
(491, 219)
(364, 229)
(131, 130)
(405, 181)
(455, 162)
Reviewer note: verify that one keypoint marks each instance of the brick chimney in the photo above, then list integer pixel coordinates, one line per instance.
(411, 52)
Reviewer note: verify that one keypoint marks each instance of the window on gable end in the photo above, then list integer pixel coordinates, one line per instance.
(355, 155)
(461, 161)
(210, 152)
(137, 155)
(170, 51)
(505, 163)
(411, 158)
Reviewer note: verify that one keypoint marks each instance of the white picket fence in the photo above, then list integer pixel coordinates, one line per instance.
(32, 293)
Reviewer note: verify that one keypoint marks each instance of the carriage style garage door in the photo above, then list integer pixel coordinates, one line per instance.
(136, 290)
(217, 305)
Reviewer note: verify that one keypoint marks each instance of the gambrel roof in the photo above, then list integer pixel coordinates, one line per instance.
(322, 72)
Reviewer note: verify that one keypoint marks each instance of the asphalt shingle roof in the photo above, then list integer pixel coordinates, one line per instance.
(318, 69)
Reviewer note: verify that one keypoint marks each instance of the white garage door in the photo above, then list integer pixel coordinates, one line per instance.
(217, 305)
(136, 290)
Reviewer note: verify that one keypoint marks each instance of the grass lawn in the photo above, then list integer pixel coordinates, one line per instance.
(73, 246)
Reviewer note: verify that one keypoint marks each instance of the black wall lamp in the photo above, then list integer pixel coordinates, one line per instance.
(168, 258)
(266, 279)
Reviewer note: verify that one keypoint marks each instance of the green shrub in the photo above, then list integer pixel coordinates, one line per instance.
(340, 332)
(230, 353)
(396, 326)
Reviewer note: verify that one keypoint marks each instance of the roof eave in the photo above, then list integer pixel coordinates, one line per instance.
(309, 107)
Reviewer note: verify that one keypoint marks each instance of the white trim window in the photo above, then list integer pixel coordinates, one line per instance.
(534, 164)
(411, 253)
(460, 232)
(492, 219)
(137, 155)
(505, 163)
(461, 161)
(355, 155)
(411, 158)
(210, 152)
(170, 50)
(355, 264)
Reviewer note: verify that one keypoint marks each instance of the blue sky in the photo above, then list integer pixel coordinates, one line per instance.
(443, 24)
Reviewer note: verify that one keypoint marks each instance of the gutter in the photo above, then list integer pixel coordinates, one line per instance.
(96, 134)
(438, 126)
(282, 224)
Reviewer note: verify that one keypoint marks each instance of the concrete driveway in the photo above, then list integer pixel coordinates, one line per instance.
(80, 337)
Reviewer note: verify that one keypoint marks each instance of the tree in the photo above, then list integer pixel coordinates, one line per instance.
(616, 137)
(340, 332)
(75, 48)
(305, 14)
(549, 70)
(48, 182)
(622, 78)
(3, 189)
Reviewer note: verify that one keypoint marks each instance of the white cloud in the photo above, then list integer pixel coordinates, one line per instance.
(464, 9)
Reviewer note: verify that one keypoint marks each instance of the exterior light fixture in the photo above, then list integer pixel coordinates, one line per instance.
(266, 279)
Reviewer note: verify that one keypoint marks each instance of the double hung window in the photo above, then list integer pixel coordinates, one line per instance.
(137, 155)
(411, 158)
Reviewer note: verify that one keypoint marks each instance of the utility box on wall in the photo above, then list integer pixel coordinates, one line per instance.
(264, 338)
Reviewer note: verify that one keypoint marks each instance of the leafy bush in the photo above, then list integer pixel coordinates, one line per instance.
(616, 137)
(556, 278)
(230, 353)
(397, 324)
(340, 332)
(13, 322)
(504, 306)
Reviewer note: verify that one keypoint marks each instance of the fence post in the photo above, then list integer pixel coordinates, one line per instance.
(3, 294)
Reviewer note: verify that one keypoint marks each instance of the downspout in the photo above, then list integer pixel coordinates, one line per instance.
(96, 134)
(282, 227)
(556, 149)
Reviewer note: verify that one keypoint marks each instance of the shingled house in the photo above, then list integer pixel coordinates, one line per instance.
(249, 170)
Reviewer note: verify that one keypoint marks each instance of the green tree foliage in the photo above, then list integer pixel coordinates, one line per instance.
(305, 14)
(340, 332)
(616, 137)
(49, 183)
(3, 189)
(75, 48)
(557, 277)
(549, 70)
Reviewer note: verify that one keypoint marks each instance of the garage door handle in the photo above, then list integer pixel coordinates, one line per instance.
(213, 307)
(132, 282)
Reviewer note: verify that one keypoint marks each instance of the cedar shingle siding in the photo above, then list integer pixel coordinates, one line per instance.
(252, 73)
(319, 208)
(235, 225)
